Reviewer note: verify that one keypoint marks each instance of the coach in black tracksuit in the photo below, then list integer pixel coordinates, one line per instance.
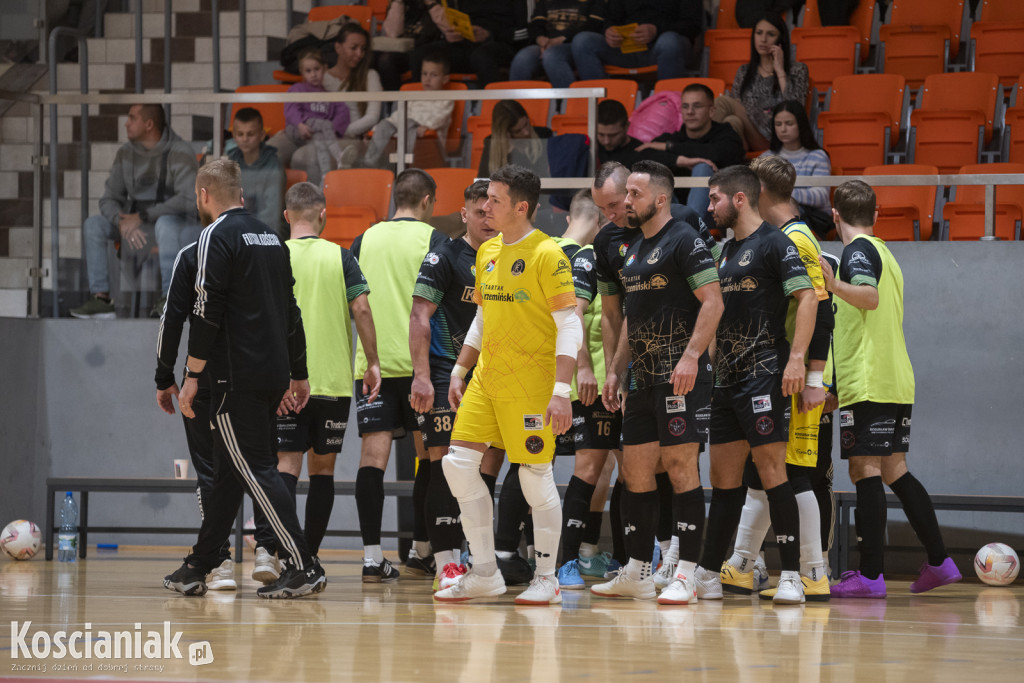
(246, 336)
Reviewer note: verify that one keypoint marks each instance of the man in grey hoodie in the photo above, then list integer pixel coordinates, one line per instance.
(149, 195)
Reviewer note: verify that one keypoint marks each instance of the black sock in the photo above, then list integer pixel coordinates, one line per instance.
(688, 517)
(319, 503)
(370, 503)
(615, 513)
(917, 505)
(723, 518)
(420, 485)
(491, 481)
(827, 510)
(575, 516)
(444, 528)
(592, 534)
(664, 529)
(785, 517)
(512, 512)
(871, 518)
(290, 482)
(643, 518)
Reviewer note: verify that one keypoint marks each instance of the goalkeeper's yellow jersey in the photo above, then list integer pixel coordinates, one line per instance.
(519, 286)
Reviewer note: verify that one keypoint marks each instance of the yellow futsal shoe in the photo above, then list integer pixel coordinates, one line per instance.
(735, 581)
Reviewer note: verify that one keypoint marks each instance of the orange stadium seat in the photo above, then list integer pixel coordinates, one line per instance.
(451, 183)
(921, 13)
(293, 176)
(905, 213)
(369, 187)
(272, 112)
(862, 124)
(914, 52)
(966, 212)
(726, 49)
(1013, 134)
(574, 120)
(345, 224)
(961, 90)
(454, 138)
(1001, 10)
(726, 15)
(944, 131)
(998, 47)
(828, 52)
(360, 13)
(379, 8)
(717, 85)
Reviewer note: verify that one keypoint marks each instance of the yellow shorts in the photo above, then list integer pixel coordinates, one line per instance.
(519, 425)
(802, 448)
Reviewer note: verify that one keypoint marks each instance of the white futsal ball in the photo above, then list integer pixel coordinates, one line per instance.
(249, 529)
(996, 564)
(20, 539)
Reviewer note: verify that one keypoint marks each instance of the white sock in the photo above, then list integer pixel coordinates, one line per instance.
(637, 569)
(664, 545)
(478, 527)
(673, 551)
(547, 530)
(686, 569)
(372, 554)
(588, 550)
(443, 557)
(754, 523)
(422, 548)
(531, 550)
(812, 564)
(505, 554)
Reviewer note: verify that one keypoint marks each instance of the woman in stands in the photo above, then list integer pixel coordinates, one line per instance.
(769, 78)
(352, 73)
(514, 140)
(793, 139)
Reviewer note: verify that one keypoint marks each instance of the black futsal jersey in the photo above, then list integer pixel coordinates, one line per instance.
(758, 275)
(659, 276)
(447, 277)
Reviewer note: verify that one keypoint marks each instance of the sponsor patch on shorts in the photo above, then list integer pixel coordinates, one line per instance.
(677, 426)
(847, 439)
(764, 425)
(675, 404)
(534, 444)
(762, 404)
(533, 423)
(845, 418)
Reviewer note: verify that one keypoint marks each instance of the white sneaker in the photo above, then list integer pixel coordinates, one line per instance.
(665, 574)
(790, 590)
(680, 591)
(761, 575)
(708, 584)
(222, 578)
(624, 586)
(267, 568)
(471, 586)
(543, 590)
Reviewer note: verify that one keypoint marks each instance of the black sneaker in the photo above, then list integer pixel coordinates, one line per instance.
(516, 570)
(187, 580)
(380, 573)
(421, 567)
(294, 583)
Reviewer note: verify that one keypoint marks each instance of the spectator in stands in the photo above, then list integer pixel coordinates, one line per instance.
(793, 140)
(404, 19)
(421, 116)
(150, 194)
(701, 146)
(615, 142)
(352, 73)
(493, 26)
(552, 28)
(770, 77)
(749, 12)
(640, 33)
(514, 140)
(314, 124)
(262, 174)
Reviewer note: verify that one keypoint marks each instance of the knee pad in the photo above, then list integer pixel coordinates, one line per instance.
(538, 482)
(461, 468)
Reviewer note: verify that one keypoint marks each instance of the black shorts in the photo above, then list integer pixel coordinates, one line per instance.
(754, 411)
(436, 426)
(657, 414)
(320, 426)
(594, 427)
(391, 412)
(868, 428)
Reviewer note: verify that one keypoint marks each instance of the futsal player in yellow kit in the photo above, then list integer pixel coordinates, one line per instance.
(523, 342)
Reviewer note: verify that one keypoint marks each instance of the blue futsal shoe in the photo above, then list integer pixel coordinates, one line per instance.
(569, 576)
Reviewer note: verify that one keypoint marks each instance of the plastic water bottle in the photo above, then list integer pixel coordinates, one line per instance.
(67, 538)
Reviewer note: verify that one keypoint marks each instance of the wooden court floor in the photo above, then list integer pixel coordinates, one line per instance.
(353, 632)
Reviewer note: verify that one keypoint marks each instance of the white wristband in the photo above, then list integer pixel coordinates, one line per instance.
(459, 371)
(562, 390)
(814, 379)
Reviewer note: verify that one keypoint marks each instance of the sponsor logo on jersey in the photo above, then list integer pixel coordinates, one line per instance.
(859, 257)
(764, 425)
(630, 260)
(746, 258)
(490, 266)
(533, 423)
(761, 404)
(699, 244)
(845, 418)
(534, 444)
(654, 256)
(467, 295)
(518, 267)
(432, 258)
(563, 267)
(748, 284)
(253, 239)
(521, 296)
(675, 404)
(623, 248)
(677, 426)
(791, 252)
(659, 282)
(472, 270)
